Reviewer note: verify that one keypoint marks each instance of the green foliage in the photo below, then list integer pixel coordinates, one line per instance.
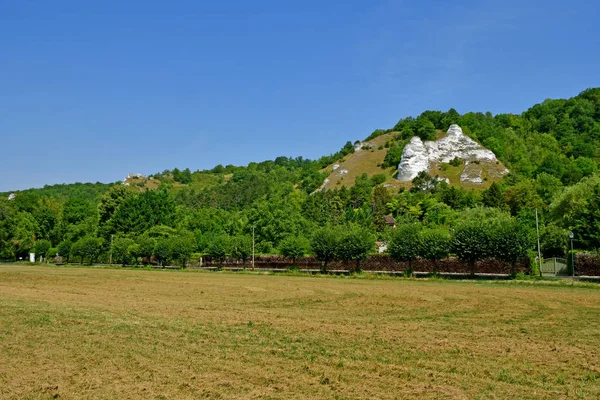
(64, 249)
(434, 244)
(41, 247)
(181, 248)
(162, 251)
(139, 213)
(120, 250)
(404, 243)
(378, 179)
(354, 244)
(394, 155)
(87, 248)
(456, 162)
(294, 247)
(240, 248)
(554, 241)
(511, 241)
(324, 245)
(471, 242)
(218, 247)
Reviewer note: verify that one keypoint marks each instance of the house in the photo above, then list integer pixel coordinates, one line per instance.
(390, 221)
(381, 247)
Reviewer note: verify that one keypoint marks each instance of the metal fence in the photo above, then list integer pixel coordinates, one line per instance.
(555, 267)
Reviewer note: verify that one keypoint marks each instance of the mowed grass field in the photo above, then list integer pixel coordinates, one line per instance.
(83, 333)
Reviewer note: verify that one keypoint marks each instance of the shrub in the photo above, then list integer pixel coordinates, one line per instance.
(456, 161)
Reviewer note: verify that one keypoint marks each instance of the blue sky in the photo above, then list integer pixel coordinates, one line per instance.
(93, 90)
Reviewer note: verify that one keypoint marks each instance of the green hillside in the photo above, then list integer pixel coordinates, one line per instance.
(552, 151)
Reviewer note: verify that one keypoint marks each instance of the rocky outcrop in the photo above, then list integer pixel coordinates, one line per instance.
(418, 155)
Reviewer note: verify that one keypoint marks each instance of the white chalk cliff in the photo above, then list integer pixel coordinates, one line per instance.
(418, 155)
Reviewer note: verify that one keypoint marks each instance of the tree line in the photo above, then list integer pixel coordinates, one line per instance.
(552, 151)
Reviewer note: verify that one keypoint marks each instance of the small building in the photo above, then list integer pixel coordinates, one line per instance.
(381, 247)
(390, 221)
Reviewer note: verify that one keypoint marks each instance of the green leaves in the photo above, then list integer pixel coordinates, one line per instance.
(324, 245)
(355, 244)
(293, 247)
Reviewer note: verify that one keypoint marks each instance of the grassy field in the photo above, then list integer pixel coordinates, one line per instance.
(79, 333)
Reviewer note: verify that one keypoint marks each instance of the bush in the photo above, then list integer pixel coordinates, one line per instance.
(378, 179)
(456, 161)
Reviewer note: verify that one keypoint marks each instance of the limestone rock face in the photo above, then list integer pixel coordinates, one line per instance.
(418, 155)
(415, 158)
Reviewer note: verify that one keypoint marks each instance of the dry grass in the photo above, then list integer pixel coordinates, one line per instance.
(82, 333)
(362, 161)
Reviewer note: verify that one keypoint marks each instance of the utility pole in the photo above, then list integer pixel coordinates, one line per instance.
(537, 228)
(111, 247)
(252, 247)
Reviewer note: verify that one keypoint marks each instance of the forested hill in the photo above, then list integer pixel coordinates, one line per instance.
(552, 151)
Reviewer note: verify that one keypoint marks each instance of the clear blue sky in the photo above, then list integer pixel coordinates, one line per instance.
(93, 90)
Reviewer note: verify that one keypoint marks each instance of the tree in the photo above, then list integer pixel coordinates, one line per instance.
(120, 250)
(90, 248)
(146, 247)
(181, 248)
(41, 247)
(137, 214)
(134, 252)
(87, 248)
(64, 249)
(471, 242)
(510, 242)
(424, 182)
(293, 247)
(162, 251)
(434, 245)
(425, 129)
(355, 245)
(554, 241)
(77, 250)
(23, 238)
(240, 248)
(403, 244)
(324, 245)
(7, 228)
(493, 196)
(217, 248)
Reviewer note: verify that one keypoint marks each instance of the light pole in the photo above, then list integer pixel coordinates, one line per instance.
(571, 236)
(252, 247)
